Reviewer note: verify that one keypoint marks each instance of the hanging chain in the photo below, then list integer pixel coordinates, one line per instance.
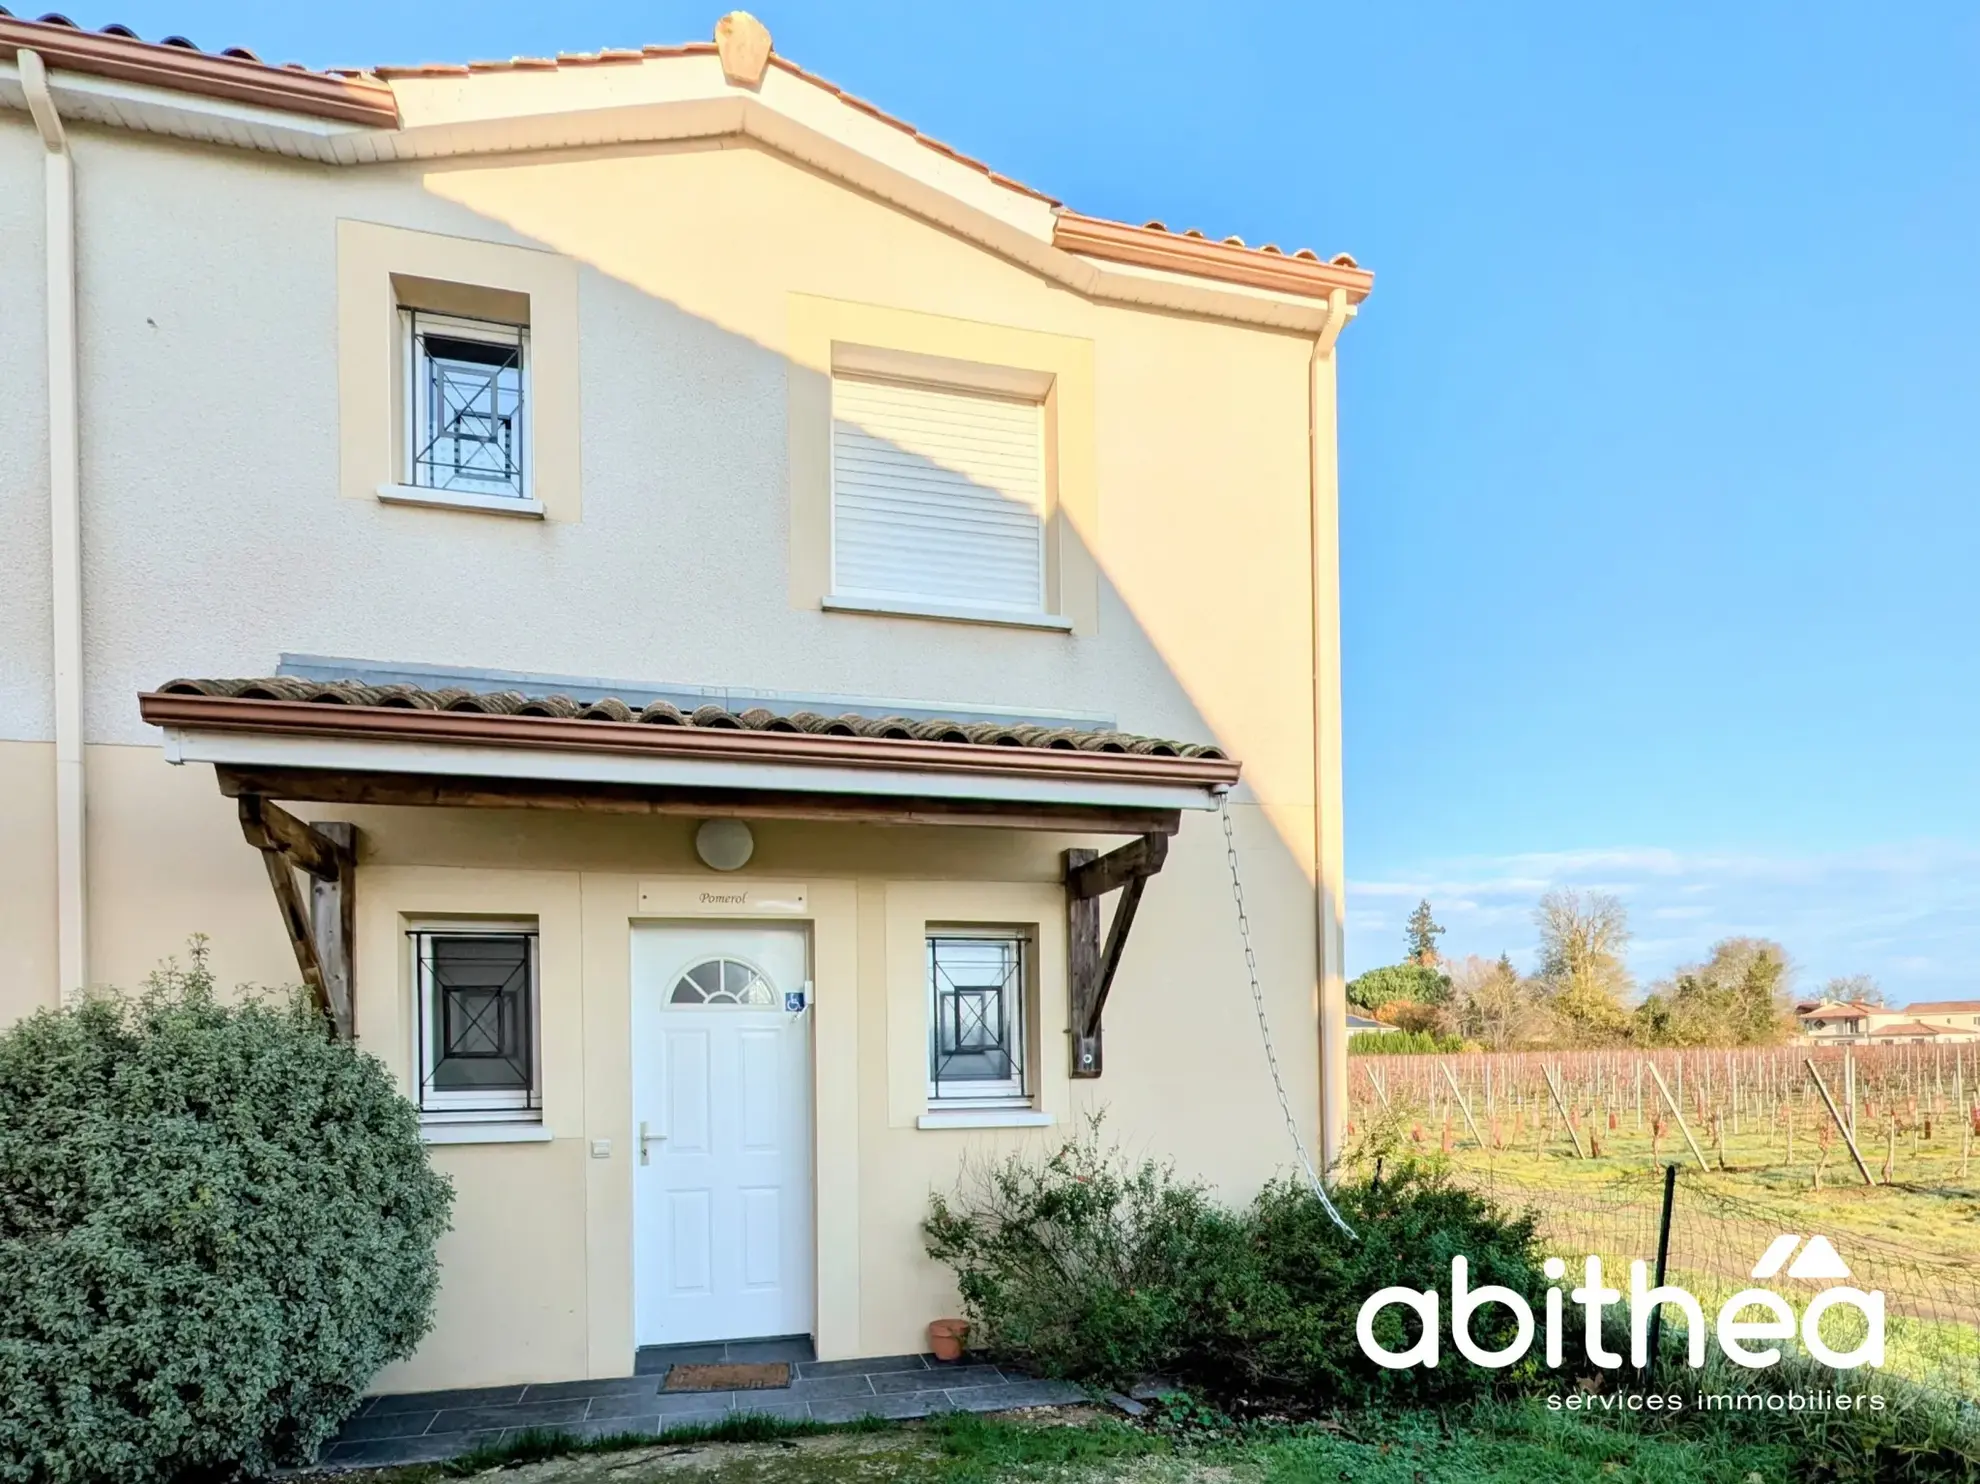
(1264, 1027)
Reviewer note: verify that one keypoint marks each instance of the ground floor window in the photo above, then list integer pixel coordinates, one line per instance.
(977, 988)
(477, 991)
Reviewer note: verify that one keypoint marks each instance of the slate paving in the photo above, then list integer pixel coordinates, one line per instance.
(431, 1426)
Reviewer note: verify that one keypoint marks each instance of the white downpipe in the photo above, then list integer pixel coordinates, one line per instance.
(64, 534)
(1329, 879)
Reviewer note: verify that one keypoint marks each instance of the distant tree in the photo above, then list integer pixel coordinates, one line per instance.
(1737, 997)
(1398, 982)
(1417, 1015)
(1422, 933)
(1493, 1004)
(1583, 975)
(1861, 989)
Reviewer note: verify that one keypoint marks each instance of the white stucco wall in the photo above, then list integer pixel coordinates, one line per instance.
(26, 699)
(218, 534)
(215, 538)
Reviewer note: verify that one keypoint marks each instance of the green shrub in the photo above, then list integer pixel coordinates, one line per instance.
(1087, 1266)
(1413, 982)
(1402, 1043)
(1293, 1307)
(1082, 1265)
(216, 1225)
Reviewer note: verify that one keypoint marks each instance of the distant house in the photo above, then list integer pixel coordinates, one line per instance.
(1853, 1023)
(1357, 1022)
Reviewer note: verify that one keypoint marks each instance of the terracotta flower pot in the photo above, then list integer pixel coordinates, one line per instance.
(946, 1336)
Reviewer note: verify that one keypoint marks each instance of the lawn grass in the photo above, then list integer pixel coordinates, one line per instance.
(1931, 1214)
(1508, 1442)
(1915, 1244)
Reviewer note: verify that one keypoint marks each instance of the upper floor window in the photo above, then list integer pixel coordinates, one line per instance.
(467, 416)
(976, 1013)
(938, 497)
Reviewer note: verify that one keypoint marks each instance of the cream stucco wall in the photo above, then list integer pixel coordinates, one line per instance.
(219, 533)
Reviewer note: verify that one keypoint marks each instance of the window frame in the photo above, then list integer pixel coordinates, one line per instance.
(840, 595)
(438, 1106)
(724, 961)
(1018, 1091)
(413, 409)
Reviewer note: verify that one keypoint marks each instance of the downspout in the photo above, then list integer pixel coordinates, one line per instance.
(1328, 840)
(64, 534)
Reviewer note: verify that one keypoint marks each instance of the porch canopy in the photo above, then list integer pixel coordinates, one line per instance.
(345, 742)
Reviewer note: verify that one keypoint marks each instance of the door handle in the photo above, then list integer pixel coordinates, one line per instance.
(647, 1139)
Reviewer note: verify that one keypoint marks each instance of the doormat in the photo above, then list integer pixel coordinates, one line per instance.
(765, 1377)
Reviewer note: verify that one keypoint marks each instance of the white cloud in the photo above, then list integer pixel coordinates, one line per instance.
(1908, 914)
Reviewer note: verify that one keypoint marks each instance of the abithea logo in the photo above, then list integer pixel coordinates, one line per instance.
(1817, 1260)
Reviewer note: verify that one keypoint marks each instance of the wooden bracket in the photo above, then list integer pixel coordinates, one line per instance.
(320, 928)
(1091, 966)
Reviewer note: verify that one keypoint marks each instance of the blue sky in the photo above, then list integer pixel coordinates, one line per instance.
(1660, 436)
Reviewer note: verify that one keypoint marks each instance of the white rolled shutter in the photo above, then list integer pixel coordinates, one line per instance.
(938, 496)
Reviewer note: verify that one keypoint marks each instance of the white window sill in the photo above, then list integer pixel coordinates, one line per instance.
(484, 1133)
(947, 612)
(526, 507)
(985, 1118)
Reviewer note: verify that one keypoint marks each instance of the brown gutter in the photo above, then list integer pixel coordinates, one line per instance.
(355, 100)
(707, 744)
(1175, 252)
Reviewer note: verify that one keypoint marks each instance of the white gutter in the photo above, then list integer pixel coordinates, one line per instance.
(588, 765)
(64, 534)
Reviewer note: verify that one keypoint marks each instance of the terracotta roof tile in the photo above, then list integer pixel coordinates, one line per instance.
(118, 29)
(663, 713)
(233, 73)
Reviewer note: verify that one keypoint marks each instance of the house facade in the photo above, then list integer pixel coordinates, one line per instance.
(1929, 1022)
(718, 637)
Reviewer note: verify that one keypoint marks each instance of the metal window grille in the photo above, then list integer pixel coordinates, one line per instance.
(477, 1022)
(976, 1003)
(468, 385)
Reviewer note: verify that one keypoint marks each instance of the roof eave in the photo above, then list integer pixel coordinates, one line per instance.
(1200, 257)
(354, 100)
(462, 742)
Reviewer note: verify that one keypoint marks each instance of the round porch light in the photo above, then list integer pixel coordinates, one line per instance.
(724, 844)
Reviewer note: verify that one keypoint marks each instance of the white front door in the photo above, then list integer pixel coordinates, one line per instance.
(722, 1218)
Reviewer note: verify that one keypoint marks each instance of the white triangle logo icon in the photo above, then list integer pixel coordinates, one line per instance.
(1818, 1260)
(1777, 1253)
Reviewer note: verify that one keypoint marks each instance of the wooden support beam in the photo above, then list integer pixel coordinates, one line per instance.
(333, 926)
(319, 926)
(1140, 859)
(271, 827)
(1082, 965)
(426, 790)
(1091, 966)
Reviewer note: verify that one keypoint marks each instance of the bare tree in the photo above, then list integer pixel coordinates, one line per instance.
(1860, 989)
(1582, 966)
(1493, 1004)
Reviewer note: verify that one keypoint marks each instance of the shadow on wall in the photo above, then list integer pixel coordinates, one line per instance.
(680, 569)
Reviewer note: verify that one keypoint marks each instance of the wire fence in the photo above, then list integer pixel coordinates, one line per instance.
(1765, 1147)
(1931, 1304)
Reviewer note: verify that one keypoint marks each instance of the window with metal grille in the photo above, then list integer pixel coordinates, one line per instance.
(976, 1014)
(938, 496)
(467, 424)
(477, 1023)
